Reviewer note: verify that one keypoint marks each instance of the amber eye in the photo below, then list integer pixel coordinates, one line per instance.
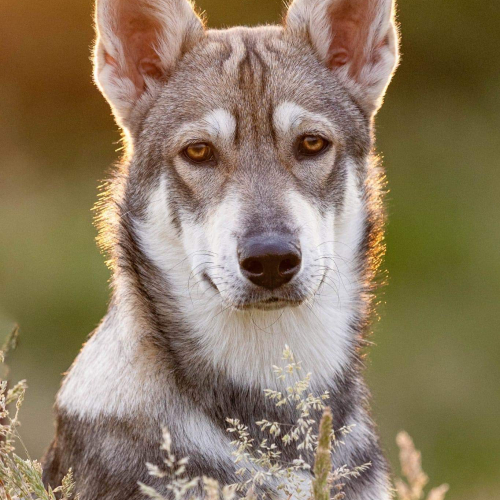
(311, 145)
(200, 152)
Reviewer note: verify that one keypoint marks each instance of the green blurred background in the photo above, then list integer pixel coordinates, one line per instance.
(436, 369)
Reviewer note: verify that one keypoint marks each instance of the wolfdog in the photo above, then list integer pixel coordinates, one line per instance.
(246, 215)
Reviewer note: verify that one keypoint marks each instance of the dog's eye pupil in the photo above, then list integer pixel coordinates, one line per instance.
(199, 153)
(311, 145)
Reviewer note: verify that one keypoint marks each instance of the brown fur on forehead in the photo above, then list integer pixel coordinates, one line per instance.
(248, 72)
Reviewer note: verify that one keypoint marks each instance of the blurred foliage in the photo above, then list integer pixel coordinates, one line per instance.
(435, 370)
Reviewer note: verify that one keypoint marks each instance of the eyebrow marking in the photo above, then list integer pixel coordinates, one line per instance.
(218, 124)
(289, 115)
(222, 123)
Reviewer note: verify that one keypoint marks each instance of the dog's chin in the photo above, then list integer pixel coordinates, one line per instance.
(266, 302)
(272, 304)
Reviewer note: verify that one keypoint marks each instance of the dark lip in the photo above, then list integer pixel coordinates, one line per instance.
(268, 304)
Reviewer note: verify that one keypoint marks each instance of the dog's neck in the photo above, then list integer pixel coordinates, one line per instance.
(166, 339)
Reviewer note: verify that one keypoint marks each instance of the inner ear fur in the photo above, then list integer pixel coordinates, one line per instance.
(355, 38)
(139, 42)
(139, 34)
(351, 28)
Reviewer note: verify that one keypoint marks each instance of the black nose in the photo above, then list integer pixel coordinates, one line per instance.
(269, 261)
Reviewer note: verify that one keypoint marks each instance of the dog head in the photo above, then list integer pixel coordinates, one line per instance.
(248, 147)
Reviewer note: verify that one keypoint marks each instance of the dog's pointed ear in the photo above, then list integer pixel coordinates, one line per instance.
(138, 44)
(355, 38)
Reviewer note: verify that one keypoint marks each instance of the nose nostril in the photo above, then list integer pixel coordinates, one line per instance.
(287, 265)
(253, 266)
(269, 262)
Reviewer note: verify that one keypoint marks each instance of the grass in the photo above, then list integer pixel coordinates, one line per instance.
(21, 479)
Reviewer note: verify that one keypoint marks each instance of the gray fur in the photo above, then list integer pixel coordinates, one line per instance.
(249, 73)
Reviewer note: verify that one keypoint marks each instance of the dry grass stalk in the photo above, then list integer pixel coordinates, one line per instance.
(22, 479)
(411, 468)
(323, 461)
